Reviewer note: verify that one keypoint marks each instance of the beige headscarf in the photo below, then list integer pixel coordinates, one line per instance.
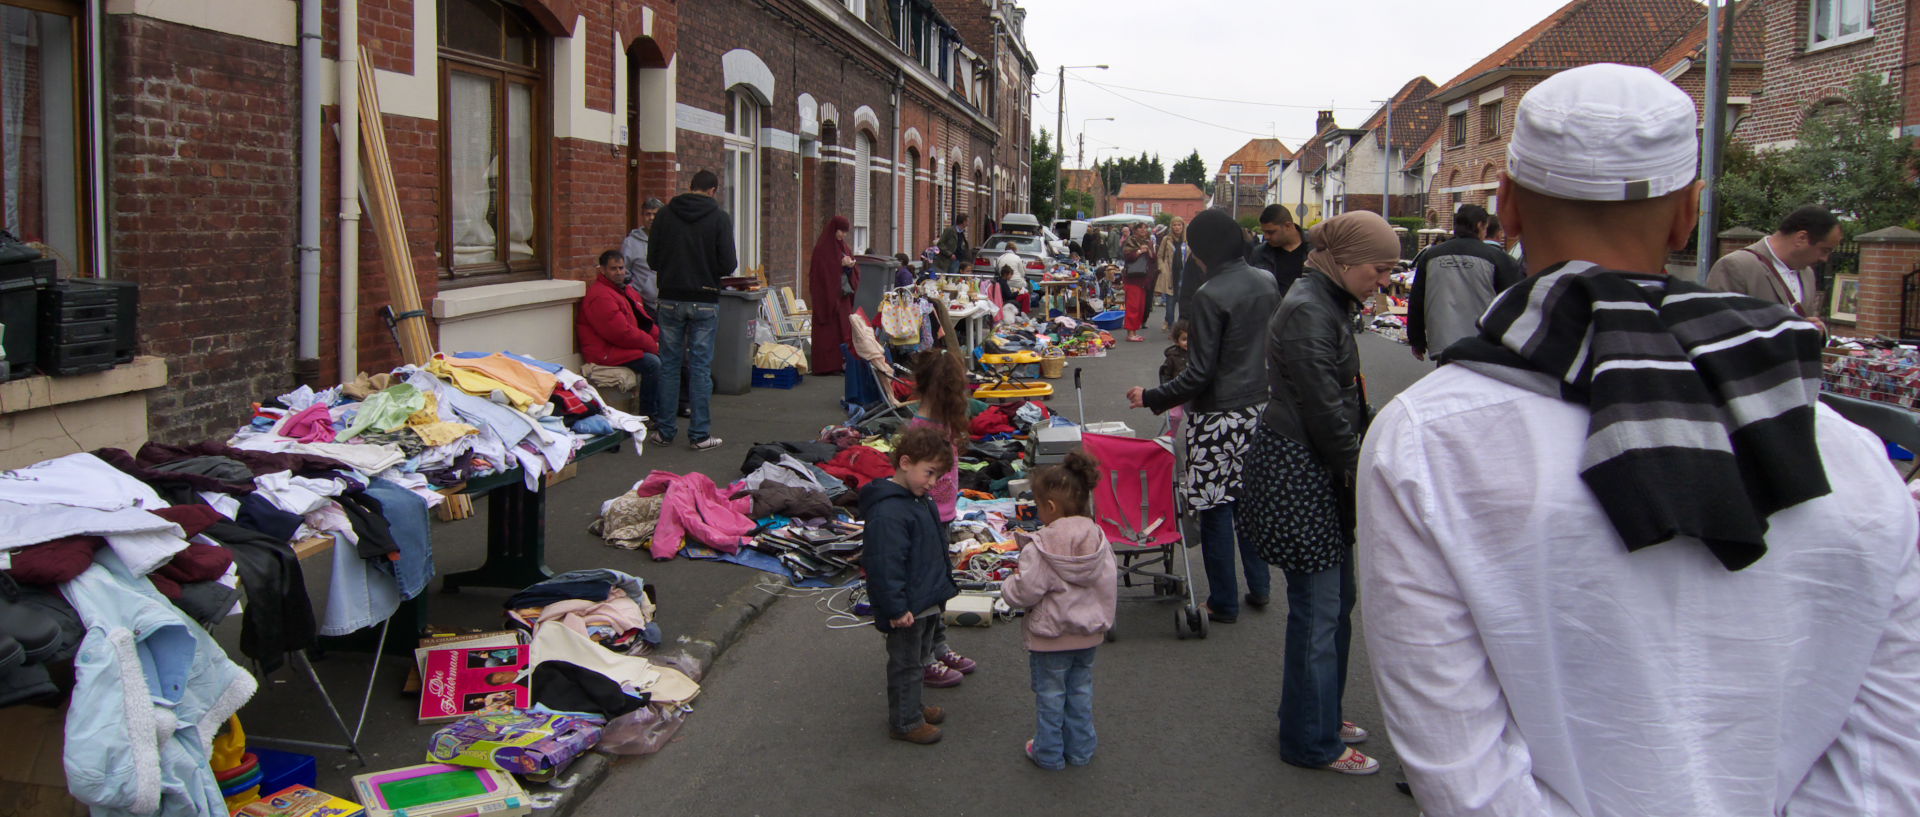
(1350, 239)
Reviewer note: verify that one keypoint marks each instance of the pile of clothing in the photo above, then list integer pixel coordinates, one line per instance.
(113, 565)
(461, 416)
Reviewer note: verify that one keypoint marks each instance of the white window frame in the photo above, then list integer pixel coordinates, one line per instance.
(1129, 208)
(858, 7)
(1826, 33)
(740, 182)
(1156, 208)
(861, 237)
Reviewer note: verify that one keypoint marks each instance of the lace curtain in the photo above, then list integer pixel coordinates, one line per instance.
(471, 167)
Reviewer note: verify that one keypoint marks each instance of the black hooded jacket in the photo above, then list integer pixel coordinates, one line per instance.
(692, 248)
(904, 553)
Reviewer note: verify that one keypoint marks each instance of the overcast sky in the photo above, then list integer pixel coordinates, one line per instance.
(1305, 56)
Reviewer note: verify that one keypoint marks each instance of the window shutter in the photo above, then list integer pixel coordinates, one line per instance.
(906, 210)
(862, 190)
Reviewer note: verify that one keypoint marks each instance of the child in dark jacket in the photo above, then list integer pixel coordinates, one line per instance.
(1065, 580)
(1176, 361)
(908, 578)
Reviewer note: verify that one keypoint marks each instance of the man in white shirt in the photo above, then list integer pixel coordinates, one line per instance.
(1779, 267)
(1619, 561)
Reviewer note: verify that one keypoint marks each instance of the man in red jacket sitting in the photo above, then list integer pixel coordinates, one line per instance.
(616, 329)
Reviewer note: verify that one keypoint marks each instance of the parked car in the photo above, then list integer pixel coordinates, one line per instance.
(1032, 250)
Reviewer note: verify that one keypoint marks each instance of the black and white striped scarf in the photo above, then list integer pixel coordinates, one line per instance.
(1702, 401)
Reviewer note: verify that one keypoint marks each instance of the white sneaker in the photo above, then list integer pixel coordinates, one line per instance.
(1351, 732)
(707, 444)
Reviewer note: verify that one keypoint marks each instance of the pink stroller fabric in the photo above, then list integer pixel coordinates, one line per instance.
(1134, 501)
(695, 507)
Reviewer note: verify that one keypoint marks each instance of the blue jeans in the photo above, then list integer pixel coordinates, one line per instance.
(686, 335)
(1314, 671)
(1217, 547)
(647, 368)
(1063, 707)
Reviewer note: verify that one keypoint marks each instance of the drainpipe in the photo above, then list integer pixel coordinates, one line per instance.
(349, 189)
(306, 364)
(96, 104)
(898, 85)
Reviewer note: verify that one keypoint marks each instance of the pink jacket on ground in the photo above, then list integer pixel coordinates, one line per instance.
(1066, 581)
(695, 507)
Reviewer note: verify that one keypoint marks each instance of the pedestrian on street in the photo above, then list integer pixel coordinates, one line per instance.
(1223, 386)
(1779, 268)
(1115, 237)
(908, 578)
(641, 277)
(1174, 258)
(1300, 516)
(692, 249)
(1282, 248)
(1453, 283)
(1138, 277)
(1095, 246)
(617, 329)
(1066, 581)
(955, 252)
(833, 278)
(1617, 558)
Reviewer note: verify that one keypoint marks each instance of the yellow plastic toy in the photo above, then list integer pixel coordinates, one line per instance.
(1007, 387)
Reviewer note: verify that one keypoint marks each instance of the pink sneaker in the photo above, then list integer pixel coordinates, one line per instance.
(1354, 763)
(958, 663)
(940, 676)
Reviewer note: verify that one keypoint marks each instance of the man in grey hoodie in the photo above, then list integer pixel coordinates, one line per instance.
(641, 277)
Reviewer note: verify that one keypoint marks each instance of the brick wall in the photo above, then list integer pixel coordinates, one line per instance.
(202, 194)
(1886, 257)
(1480, 160)
(1797, 78)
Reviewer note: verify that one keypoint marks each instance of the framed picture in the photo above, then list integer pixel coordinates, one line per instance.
(1846, 298)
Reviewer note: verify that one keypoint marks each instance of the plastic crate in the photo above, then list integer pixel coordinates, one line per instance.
(1110, 319)
(776, 378)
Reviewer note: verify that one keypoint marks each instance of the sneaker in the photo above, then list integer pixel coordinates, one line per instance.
(1219, 618)
(940, 676)
(1257, 602)
(655, 438)
(958, 663)
(707, 444)
(1353, 762)
(924, 734)
(933, 714)
(1351, 732)
(1036, 761)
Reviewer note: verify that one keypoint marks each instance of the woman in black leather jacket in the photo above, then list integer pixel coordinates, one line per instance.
(1223, 386)
(1299, 515)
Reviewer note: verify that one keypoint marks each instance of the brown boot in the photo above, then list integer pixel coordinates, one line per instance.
(923, 734)
(933, 714)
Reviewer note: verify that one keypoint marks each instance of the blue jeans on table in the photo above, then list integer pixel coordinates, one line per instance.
(1314, 670)
(686, 335)
(1217, 548)
(1063, 707)
(647, 368)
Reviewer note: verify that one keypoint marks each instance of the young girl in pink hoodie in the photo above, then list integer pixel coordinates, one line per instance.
(1066, 582)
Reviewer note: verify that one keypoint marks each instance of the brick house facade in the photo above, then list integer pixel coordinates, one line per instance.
(1478, 106)
(1183, 200)
(1801, 73)
(522, 136)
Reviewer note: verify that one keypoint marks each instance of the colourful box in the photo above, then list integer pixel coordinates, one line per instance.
(300, 801)
(520, 742)
(439, 790)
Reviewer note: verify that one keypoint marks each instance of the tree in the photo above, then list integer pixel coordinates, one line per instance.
(1849, 158)
(1076, 201)
(1191, 170)
(1044, 169)
(1132, 170)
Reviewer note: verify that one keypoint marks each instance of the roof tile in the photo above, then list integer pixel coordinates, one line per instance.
(1161, 191)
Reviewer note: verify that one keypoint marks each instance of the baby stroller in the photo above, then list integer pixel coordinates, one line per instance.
(1142, 515)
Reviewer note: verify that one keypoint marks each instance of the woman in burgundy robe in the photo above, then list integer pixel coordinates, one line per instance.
(832, 278)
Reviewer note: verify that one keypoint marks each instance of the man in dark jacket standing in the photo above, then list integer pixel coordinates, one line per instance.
(954, 249)
(1282, 248)
(691, 249)
(1453, 283)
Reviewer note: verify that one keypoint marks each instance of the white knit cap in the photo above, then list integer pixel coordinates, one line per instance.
(1604, 132)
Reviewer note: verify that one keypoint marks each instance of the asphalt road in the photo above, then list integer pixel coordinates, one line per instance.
(791, 721)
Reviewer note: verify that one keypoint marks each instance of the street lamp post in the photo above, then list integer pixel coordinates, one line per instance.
(1080, 154)
(1060, 125)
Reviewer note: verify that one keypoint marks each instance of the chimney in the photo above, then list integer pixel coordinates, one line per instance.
(1323, 121)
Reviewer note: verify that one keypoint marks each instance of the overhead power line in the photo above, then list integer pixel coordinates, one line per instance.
(1189, 118)
(1221, 99)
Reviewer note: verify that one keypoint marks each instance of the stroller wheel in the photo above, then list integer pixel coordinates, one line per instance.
(1180, 624)
(1196, 621)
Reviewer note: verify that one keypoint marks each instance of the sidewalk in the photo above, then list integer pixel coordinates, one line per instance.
(703, 606)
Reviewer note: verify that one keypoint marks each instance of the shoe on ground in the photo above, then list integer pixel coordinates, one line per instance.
(707, 444)
(1351, 732)
(924, 734)
(959, 663)
(1354, 763)
(1220, 618)
(654, 438)
(940, 676)
(1258, 602)
(1135, 338)
(1036, 761)
(933, 715)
